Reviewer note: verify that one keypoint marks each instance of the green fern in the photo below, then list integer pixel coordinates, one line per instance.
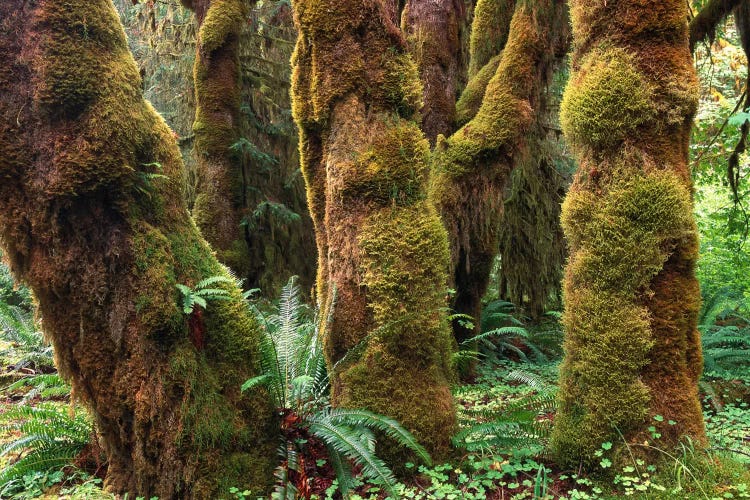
(503, 333)
(294, 372)
(203, 292)
(517, 426)
(725, 334)
(44, 385)
(49, 439)
(28, 348)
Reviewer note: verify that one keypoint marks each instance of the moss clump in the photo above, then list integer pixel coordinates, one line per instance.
(404, 370)
(471, 98)
(70, 79)
(392, 168)
(606, 101)
(401, 86)
(156, 303)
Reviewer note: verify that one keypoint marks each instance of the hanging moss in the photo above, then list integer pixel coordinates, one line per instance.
(472, 167)
(103, 241)
(382, 250)
(631, 298)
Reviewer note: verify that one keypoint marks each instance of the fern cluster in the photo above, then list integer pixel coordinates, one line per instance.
(204, 291)
(725, 335)
(50, 438)
(520, 425)
(294, 372)
(28, 350)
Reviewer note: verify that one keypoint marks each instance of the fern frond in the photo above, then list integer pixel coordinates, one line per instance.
(342, 469)
(388, 426)
(212, 280)
(346, 441)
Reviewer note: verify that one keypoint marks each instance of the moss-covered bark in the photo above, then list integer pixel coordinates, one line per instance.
(220, 203)
(632, 350)
(93, 219)
(433, 32)
(383, 253)
(472, 166)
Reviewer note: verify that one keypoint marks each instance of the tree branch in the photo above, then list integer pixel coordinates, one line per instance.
(703, 25)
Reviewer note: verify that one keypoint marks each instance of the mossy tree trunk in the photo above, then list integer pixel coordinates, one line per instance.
(221, 201)
(472, 166)
(632, 350)
(92, 217)
(383, 253)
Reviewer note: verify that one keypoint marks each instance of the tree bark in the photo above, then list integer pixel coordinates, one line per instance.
(383, 252)
(93, 219)
(433, 32)
(632, 349)
(471, 167)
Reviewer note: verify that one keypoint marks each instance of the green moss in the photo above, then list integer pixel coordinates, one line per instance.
(471, 98)
(392, 168)
(489, 31)
(224, 18)
(405, 370)
(73, 68)
(156, 303)
(401, 86)
(621, 240)
(606, 101)
(601, 391)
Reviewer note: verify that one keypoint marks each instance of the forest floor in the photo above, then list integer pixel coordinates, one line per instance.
(510, 467)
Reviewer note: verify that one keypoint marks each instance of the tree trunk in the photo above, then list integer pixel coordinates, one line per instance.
(632, 350)
(93, 219)
(220, 204)
(471, 167)
(383, 252)
(433, 32)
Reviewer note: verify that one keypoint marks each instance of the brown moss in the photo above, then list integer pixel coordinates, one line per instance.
(102, 242)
